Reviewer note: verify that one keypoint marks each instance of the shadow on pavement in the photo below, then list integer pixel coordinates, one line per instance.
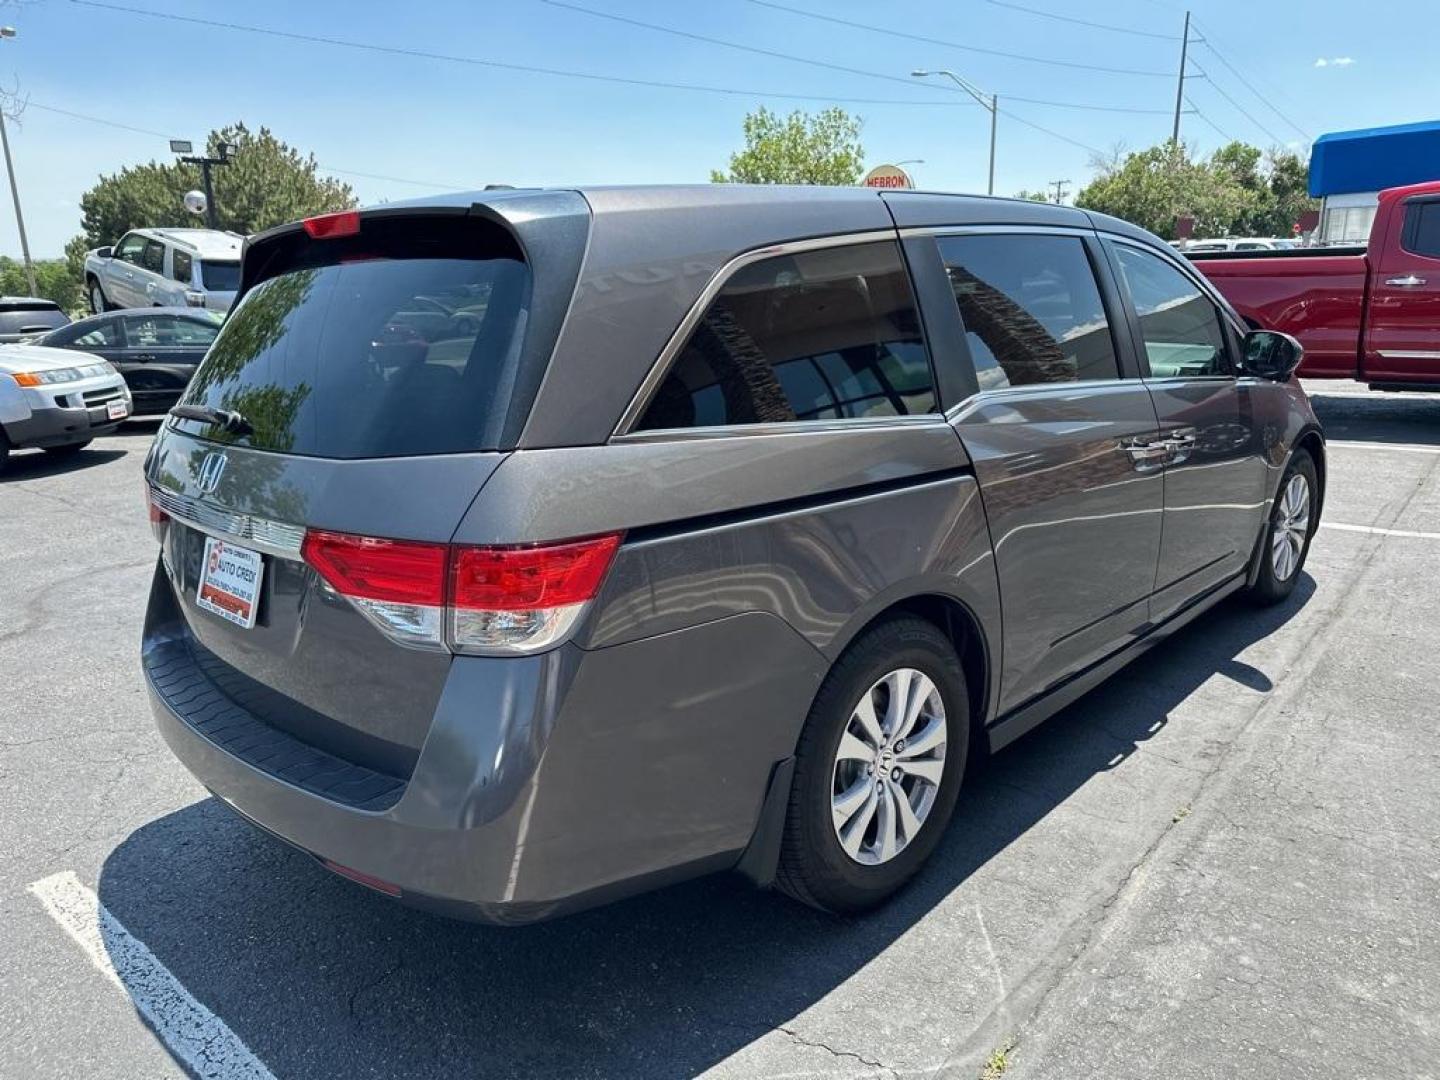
(37, 464)
(323, 979)
(1410, 420)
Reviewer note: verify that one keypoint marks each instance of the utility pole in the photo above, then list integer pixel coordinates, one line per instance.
(1180, 86)
(9, 32)
(1059, 186)
(205, 162)
(989, 101)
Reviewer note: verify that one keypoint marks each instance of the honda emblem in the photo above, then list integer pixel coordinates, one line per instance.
(211, 469)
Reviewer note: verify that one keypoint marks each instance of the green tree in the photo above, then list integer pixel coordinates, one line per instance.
(1238, 190)
(1032, 196)
(267, 183)
(802, 148)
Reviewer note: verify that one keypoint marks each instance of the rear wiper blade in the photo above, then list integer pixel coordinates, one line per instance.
(228, 419)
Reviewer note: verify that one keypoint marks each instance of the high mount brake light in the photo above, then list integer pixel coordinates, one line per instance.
(332, 226)
(467, 599)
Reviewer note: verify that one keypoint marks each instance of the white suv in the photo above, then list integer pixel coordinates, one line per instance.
(165, 268)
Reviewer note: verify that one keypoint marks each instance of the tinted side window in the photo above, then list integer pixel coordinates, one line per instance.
(130, 248)
(1422, 229)
(105, 334)
(1180, 325)
(818, 335)
(181, 266)
(153, 257)
(1031, 309)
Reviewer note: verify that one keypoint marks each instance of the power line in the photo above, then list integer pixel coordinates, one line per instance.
(1239, 108)
(740, 47)
(1052, 134)
(1204, 40)
(166, 135)
(891, 32)
(1083, 22)
(392, 50)
(1216, 127)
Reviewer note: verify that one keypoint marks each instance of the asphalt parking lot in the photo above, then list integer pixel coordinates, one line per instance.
(1225, 862)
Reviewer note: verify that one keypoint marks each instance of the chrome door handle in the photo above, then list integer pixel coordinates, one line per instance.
(1145, 451)
(1409, 281)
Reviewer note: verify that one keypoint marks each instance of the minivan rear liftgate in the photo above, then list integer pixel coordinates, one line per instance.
(360, 395)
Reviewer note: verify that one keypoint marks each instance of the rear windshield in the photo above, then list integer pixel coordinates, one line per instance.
(394, 342)
(27, 319)
(220, 276)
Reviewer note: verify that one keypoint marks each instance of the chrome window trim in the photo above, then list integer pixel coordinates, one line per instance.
(941, 231)
(677, 340)
(275, 538)
(1000, 393)
(783, 427)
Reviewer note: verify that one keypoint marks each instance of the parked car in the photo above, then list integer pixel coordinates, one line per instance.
(1240, 243)
(56, 399)
(738, 518)
(155, 349)
(22, 317)
(1370, 313)
(165, 268)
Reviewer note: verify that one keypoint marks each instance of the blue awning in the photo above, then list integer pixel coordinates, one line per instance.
(1373, 159)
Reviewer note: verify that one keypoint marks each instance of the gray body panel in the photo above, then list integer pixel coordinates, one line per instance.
(644, 748)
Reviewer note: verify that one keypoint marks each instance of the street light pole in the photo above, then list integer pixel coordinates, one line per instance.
(989, 101)
(9, 32)
(206, 162)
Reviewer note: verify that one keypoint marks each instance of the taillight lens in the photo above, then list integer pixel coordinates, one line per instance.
(158, 517)
(471, 599)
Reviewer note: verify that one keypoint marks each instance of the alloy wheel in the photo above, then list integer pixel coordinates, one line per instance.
(1292, 526)
(888, 766)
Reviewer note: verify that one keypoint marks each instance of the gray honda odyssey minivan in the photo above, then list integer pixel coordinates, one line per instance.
(520, 550)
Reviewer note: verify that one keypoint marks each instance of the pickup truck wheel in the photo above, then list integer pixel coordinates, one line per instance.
(878, 768)
(1287, 538)
(98, 304)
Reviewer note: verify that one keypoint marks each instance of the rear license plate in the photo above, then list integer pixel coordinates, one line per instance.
(116, 410)
(230, 582)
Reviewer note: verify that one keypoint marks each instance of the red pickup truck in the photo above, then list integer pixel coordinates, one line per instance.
(1370, 313)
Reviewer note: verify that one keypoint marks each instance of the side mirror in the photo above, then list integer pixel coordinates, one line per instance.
(1270, 354)
(106, 252)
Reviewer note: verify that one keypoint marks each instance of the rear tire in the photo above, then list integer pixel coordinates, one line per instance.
(1287, 536)
(836, 858)
(4, 450)
(96, 296)
(68, 450)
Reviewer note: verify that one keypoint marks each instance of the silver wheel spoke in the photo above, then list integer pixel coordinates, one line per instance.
(931, 769)
(899, 683)
(930, 737)
(909, 823)
(886, 841)
(853, 749)
(865, 713)
(921, 688)
(853, 834)
(848, 803)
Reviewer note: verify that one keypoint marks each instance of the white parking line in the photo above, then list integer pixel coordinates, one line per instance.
(1345, 444)
(197, 1037)
(1341, 527)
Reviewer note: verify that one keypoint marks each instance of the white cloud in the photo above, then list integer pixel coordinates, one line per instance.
(1334, 61)
(1321, 62)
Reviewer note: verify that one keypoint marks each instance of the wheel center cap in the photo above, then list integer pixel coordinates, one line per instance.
(886, 758)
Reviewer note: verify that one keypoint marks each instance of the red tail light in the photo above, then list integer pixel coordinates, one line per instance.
(471, 599)
(395, 571)
(331, 226)
(158, 517)
(526, 578)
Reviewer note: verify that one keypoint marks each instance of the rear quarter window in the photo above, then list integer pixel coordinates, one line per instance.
(399, 341)
(830, 334)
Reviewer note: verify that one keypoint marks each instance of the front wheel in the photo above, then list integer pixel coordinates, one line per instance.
(878, 768)
(1287, 537)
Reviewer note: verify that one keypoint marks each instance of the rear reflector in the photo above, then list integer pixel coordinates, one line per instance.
(331, 226)
(368, 880)
(470, 599)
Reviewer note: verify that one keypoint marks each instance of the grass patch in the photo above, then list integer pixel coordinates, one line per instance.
(999, 1060)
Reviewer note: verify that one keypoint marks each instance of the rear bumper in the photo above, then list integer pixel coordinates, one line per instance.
(546, 784)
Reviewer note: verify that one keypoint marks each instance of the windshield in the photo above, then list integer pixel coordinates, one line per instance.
(28, 319)
(220, 276)
(374, 356)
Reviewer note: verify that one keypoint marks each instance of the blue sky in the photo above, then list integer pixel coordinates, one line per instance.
(449, 125)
